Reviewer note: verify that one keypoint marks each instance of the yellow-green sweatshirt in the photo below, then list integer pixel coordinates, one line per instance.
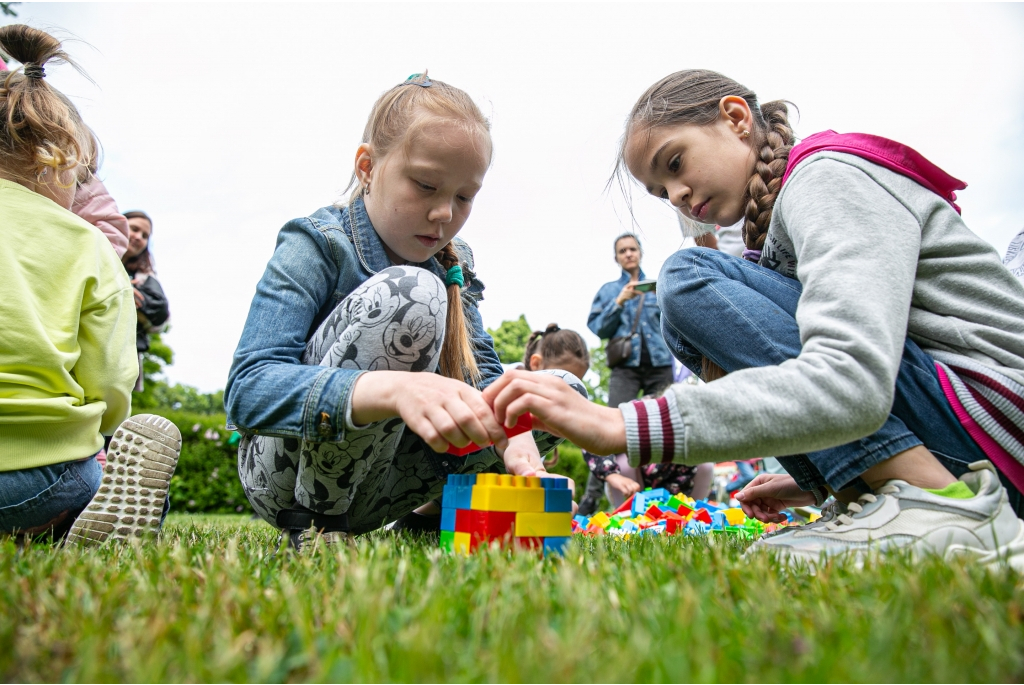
(67, 333)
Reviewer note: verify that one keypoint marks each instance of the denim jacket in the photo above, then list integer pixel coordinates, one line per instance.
(318, 261)
(610, 320)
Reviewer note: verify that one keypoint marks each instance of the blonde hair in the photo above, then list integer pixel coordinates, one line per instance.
(692, 96)
(396, 118)
(39, 127)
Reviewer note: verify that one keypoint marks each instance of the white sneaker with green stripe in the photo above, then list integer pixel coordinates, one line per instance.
(129, 503)
(972, 517)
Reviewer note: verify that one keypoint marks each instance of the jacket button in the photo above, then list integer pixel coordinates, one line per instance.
(324, 429)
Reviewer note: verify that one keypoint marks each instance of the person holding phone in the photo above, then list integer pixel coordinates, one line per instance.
(626, 313)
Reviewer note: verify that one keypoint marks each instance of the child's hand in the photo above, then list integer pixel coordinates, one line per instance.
(557, 409)
(768, 494)
(440, 410)
(627, 486)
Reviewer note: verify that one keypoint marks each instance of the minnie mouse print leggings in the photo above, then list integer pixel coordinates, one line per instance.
(379, 472)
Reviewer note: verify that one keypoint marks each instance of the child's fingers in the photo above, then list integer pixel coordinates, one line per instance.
(445, 424)
(423, 427)
(492, 390)
(476, 420)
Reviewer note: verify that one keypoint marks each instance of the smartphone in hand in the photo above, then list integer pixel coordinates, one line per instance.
(646, 286)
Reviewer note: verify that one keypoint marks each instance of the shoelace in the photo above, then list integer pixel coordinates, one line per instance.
(858, 506)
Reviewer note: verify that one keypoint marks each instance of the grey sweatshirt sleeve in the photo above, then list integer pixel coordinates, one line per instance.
(857, 248)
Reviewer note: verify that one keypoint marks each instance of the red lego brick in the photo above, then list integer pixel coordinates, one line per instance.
(684, 510)
(703, 515)
(653, 512)
(464, 520)
(491, 525)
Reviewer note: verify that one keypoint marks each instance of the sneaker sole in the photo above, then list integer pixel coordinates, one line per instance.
(130, 500)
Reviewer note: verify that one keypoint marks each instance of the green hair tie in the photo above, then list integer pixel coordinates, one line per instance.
(454, 275)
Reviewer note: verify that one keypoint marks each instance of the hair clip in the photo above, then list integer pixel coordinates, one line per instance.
(425, 83)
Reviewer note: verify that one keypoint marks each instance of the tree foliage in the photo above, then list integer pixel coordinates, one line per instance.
(510, 339)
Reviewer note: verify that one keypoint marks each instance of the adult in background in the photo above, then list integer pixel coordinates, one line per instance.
(150, 301)
(621, 311)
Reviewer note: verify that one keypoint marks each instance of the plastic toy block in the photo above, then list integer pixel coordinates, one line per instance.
(448, 519)
(641, 520)
(695, 527)
(718, 520)
(703, 516)
(448, 541)
(555, 545)
(557, 500)
(582, 520)
(463, 521)
(543, 524)
(461, 543)
(615, 523)
(707, 506)
(625, 506)
(600, 519)
(736, 517)
(507, 493)
(684, 510)
(653, 512)
(458, 491)
(524, 424)
(673, 525)
(660, 494)
(673, 503)
(491, 525)
(629, 527)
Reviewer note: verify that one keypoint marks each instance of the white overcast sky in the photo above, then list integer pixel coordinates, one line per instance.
(224, 121)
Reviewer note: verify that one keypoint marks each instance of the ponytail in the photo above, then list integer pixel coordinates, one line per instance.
(457, 359)
(39, 127)
(556, 345)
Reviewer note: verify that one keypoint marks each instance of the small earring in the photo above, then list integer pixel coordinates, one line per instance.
(366, 188)
(745, 134)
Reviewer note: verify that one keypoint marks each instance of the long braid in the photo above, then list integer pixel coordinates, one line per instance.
(776, 140)
(457, 359)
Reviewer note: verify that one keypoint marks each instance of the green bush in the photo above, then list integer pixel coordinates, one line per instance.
(206, 480)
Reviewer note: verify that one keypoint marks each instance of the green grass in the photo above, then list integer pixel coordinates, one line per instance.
(212, 602)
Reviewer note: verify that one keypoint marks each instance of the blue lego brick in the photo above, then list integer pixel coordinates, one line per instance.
(557, 499)
(696, 528)
(718, 520)
(711, 508)
(584, 521)
(659, 494)
(462, 490)
(448, 518)
(555, 545)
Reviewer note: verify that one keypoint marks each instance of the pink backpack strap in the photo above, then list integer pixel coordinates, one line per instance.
(882, 151)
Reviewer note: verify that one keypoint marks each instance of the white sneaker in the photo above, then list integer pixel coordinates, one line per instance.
(830, 512)
(901, 516)
(130, 501)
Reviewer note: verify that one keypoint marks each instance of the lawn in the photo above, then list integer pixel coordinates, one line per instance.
(213, 602)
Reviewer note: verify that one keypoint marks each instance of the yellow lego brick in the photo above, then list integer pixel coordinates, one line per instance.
(494, 492)
(544, 524)
(600, 519)
(735, 517)
(461, 544)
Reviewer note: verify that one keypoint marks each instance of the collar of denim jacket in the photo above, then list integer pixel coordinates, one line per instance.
(369, 246)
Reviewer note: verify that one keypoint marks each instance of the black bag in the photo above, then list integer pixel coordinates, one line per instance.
(619, 349)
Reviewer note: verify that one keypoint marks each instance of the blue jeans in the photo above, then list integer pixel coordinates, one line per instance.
(741, 315)
(47, 498)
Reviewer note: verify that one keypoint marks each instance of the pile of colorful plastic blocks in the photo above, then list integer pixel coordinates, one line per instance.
(658, 512)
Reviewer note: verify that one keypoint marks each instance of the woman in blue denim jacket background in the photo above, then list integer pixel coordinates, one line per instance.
(649, 366)
(357, 308)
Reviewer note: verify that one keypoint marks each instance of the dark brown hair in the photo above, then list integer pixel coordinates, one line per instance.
(397, 116)
(39, 127)
(693, 97)
(556, 345)
(142, 262)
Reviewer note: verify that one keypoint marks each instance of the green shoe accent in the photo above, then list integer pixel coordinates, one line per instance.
(957, 490)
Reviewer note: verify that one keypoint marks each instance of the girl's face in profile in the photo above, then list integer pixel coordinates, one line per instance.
(702, 170)
(422, 192)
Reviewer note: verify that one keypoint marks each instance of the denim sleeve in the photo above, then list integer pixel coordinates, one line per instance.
(269, 390)
(483, 344)
(605, 314)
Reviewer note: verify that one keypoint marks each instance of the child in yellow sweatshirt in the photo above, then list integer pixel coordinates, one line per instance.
(67, 337)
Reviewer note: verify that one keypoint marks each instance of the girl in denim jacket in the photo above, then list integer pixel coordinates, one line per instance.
(868, 334)
(358, 308)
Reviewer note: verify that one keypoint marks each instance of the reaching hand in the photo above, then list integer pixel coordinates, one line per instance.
(557, 409)
(768, 494)
(440, 410)
(627, 486)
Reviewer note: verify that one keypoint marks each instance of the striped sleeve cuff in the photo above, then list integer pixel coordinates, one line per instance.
(654, 430)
